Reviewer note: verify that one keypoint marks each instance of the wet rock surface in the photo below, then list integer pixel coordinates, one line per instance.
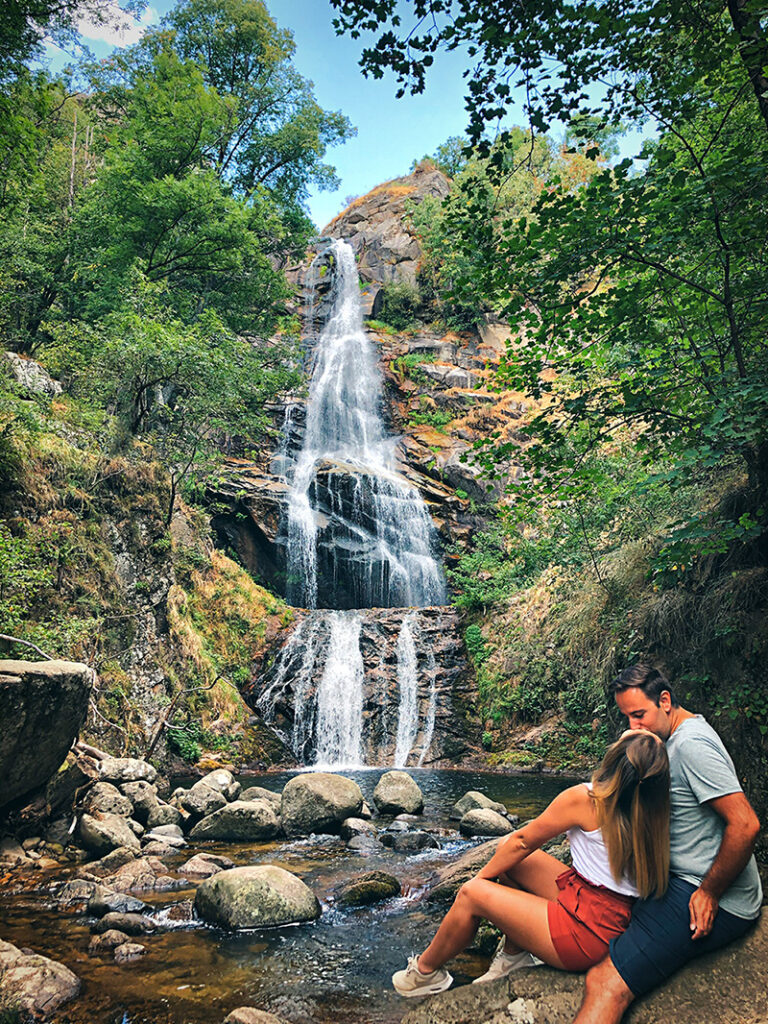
(445, 692)
(368, 888)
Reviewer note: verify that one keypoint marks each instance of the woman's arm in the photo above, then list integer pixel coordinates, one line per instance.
(573, 806)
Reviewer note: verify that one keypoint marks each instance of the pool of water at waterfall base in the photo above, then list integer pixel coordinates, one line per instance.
(336, 969)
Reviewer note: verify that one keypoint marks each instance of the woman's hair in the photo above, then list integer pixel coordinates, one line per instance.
(631, 792)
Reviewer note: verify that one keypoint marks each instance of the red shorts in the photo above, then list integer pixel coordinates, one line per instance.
(584, 920)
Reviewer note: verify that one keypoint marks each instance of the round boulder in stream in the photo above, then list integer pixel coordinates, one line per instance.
(397, 793)
(319, 802)
(472, 801)
(255, 897)
(484, 822)
(368, 888)
(241, 820)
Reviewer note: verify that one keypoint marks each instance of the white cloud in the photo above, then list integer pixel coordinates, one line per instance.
(119, 28)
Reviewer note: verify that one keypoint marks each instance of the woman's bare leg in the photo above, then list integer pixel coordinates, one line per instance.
(536, 874)
(522, 917)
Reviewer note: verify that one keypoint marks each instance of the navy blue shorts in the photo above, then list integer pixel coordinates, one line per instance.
(658, 941)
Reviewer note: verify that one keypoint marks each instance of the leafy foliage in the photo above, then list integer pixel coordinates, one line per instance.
(400, 304)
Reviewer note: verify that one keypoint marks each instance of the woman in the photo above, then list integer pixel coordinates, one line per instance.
(618, 827)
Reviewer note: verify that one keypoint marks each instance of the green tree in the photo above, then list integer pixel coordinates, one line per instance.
(276, 134)
(647, 56)
(46, 164)
(158, 205)
(188, 390)
(640, 296)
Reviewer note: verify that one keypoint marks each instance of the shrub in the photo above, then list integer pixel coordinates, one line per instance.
(400, 303)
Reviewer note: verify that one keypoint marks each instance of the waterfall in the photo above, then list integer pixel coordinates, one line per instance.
(358, 538)
(382, 540)
(340, 695)
(408, 683)
(429, 722)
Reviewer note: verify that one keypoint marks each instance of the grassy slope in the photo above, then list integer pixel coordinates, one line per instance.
(91, 573)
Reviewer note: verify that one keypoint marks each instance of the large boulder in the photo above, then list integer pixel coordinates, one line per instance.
(241, 820)
(484, 822)
(126, 769)
(223, 781)
(143, 798)
(473, 800)
(728, 986)
(107, 799)
(260, 793)
(319, 802)
(397, 793)
(104, 832)
(200, 800)
(43, 705)
(255, 897)
(34, 984)
(163, 814)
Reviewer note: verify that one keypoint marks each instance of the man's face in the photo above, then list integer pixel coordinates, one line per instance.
(642, 713)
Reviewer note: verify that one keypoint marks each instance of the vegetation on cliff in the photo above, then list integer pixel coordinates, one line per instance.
(637, 297)
(148, 206)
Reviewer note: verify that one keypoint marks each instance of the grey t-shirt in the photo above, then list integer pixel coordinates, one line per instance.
(701, 769)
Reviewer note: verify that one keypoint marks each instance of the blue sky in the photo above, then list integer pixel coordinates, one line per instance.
(391, 133)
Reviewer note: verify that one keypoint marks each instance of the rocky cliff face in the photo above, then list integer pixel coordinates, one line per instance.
(438, 401)
(375, 225)
(442, 729)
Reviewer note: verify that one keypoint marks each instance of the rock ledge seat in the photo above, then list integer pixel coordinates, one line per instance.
(727, 987)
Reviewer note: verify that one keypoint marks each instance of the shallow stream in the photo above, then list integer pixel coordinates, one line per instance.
(336, 969)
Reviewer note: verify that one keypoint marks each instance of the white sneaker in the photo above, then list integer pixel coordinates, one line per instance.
(411, 982)
(505, 963)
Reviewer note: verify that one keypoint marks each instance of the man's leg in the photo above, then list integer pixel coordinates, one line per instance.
(606, 997)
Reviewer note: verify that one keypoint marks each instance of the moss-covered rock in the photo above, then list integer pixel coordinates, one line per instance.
(255, 897)
(368, 888)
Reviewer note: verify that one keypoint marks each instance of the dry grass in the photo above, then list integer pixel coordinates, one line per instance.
(394, 189)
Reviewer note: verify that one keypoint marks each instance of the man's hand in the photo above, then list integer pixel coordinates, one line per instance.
(703, 907)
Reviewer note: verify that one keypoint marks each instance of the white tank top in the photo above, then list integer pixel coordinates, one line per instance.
(590, 859)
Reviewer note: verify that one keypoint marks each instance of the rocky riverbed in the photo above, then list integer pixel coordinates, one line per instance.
(150, 927)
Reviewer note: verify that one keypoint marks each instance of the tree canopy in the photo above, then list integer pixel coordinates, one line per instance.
(638, 293)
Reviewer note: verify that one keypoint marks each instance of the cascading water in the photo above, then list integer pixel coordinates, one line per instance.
(358, 536)
(346, 455)
(407, 680)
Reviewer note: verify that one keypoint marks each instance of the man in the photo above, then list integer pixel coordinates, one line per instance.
(714, 892)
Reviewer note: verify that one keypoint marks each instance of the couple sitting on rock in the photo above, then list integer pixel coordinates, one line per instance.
(661, 841)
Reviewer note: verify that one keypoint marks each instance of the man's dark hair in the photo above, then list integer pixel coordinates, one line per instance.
(645, 678)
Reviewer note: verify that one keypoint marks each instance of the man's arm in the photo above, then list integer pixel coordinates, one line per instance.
(741, 831)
